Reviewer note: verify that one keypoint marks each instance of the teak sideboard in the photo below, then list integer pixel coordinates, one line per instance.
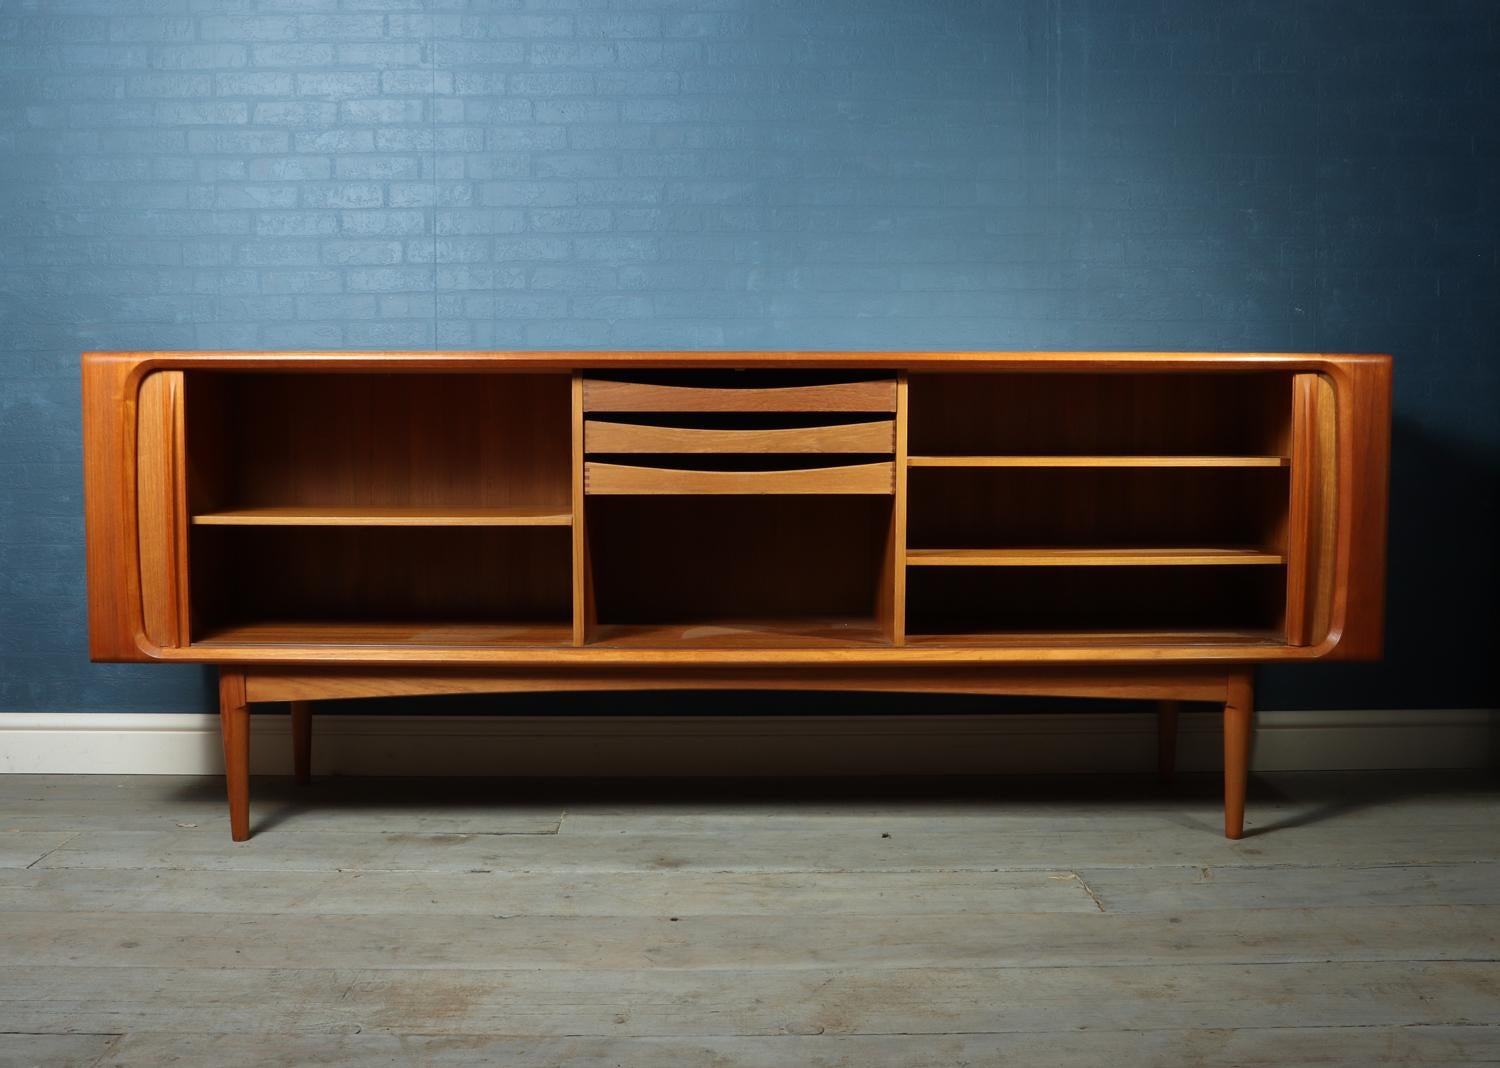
(342, 524)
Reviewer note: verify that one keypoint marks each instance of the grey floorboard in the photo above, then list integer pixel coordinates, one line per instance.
(1290, 1047)
(1045, 922)
(54, 1051)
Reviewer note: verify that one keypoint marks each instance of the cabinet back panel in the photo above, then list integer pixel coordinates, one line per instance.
(994, 507)
(1083, 414)
(381, 439)
(679, 559)
(953, 600)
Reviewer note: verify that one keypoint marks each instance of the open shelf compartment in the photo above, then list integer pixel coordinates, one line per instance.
(379, 509)
(381, 449)
(1098, 508)
(1095, 605)
(1193, 512)
(1222, 419)
(382, 585)
(755, 571)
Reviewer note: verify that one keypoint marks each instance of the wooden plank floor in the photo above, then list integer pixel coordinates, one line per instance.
(869, 924)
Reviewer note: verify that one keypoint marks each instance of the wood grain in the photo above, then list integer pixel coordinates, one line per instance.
(159, 501)
(811, 632)
(110, 384)
(1182, 683)
(497, 440)
(1363, 399)
(1312, 512)
(1239, 728)
(234, 713)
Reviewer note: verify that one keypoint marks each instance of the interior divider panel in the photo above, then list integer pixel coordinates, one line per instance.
(604, 395)
(607, 436)
(607, 478)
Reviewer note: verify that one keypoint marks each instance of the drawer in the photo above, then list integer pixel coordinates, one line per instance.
(600, 395)
(878, 436)
(876, 478)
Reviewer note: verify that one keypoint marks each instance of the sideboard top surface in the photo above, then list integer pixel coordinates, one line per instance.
(615, 359)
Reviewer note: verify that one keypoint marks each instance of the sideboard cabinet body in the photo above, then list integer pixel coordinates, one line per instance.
(345, 524)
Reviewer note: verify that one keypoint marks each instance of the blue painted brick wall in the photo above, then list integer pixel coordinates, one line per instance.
(1177, 174)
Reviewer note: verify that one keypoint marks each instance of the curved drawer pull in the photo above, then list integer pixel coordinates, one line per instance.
(874, 437)
(877, 478)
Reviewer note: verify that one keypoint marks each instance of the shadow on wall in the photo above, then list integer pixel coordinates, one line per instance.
(1443, 585)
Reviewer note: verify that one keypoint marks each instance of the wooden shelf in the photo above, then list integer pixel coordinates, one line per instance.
(1090, 557)
(811, 632)
(1113, 638)
(386, 516)
(1098, 461)
(374, 633)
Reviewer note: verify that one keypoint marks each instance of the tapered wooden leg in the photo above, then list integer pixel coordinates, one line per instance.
(234, 724)
(302, 741)
(1239, 723)
(1166, 738)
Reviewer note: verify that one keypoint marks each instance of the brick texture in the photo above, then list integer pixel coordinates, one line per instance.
(1175, 174)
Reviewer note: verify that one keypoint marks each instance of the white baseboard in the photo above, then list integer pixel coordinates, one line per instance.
(188, 744)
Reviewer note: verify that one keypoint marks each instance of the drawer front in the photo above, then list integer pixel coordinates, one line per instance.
(600, 395)
(878, 436)
(603, 478)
